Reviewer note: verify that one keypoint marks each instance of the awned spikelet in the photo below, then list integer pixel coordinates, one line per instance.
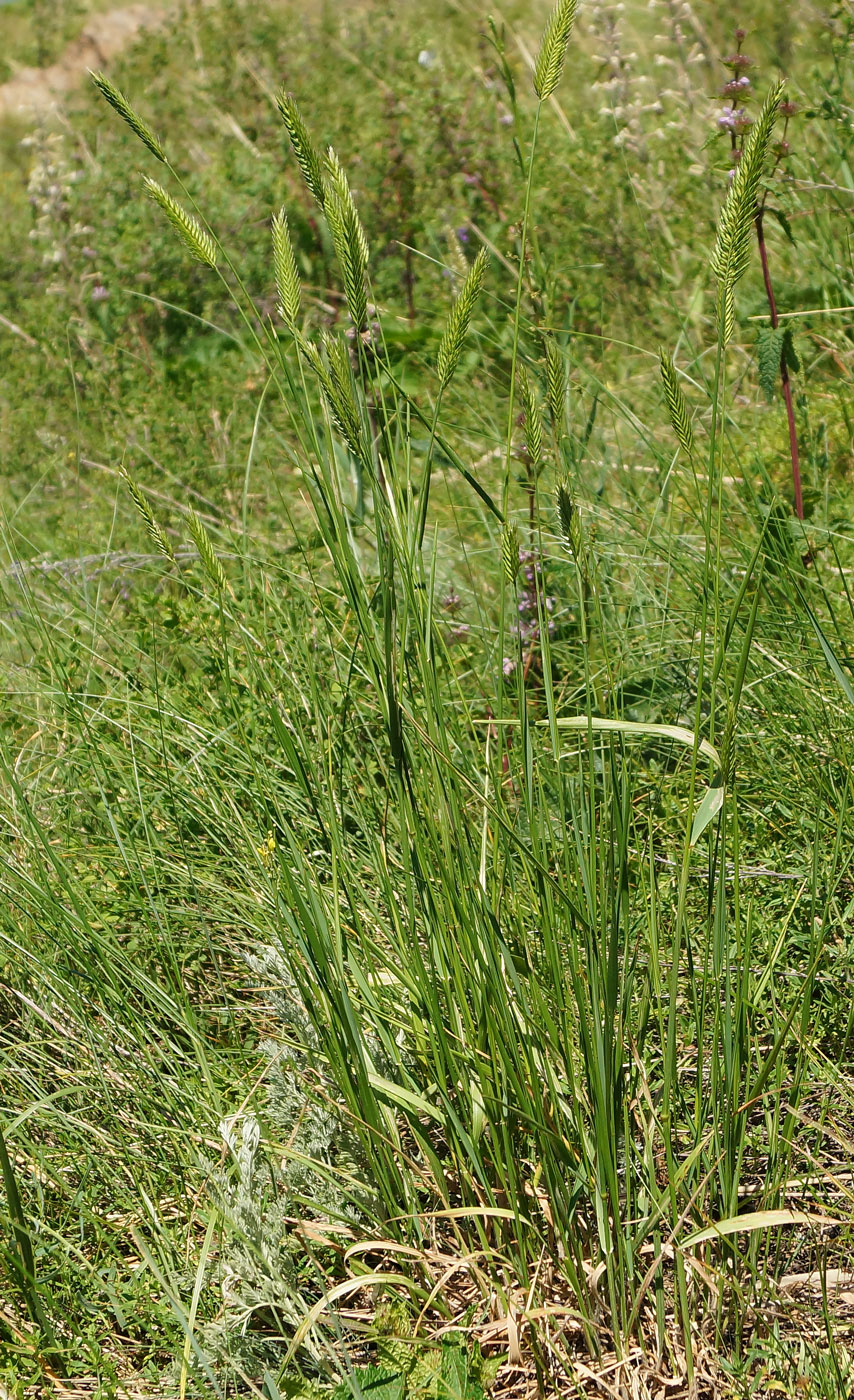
(510, 553)
(188, 229)
(337, 181)
(451, 345)
(456, 263)
(555, 381)
(550, 59)
(285, 268)
(568, 519)
(337, 385)
(348, 237)
(338, 360)
(156, 535)
(731, 254)
(308, 159)
(676, 405)
(119, 102)
(207, 553)
(728, 747)
(533, 423)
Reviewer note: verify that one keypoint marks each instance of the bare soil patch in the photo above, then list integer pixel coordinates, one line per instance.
(34, 91)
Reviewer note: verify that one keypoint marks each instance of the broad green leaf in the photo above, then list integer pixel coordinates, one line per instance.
(769, 348)
(373, 1381)
(454, 1381)
(755, 1220)
(653, 731)
(706, 812)
(404, 1098)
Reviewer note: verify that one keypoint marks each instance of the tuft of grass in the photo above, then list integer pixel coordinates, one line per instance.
(406, 934)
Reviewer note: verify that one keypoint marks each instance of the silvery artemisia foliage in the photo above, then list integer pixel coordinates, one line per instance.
(267, 1275)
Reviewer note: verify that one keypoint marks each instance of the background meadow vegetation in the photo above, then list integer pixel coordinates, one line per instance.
(372, 1020)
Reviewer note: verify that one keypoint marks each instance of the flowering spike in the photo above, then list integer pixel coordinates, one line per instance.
(120, 104)
(550, 60)
(155, 533)
(676, 405)
(732, 249)
(303, 147)
(189, 230)
(451, 345)
(285, 267)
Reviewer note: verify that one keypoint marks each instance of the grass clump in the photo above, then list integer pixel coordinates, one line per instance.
(425, 920)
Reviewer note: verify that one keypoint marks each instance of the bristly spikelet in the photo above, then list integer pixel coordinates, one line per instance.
(533, 423)
(569, 520)
(451, 345)
(207, 554)
(119, 102)
(457, 265)
(338, 181)
(188, 229)
(555, 381)
(337, 385)
(510, 553)
(731, 254)
(155, 533)
(676, 405)
(550, 59)
(285, 267)
(303, 146)
(728, 747)
(338, 360)
(348, 237)
(726, 311)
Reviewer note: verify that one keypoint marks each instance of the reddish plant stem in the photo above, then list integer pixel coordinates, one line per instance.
(784, 368)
